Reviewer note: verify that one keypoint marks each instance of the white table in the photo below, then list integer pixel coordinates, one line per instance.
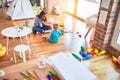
(16, 32)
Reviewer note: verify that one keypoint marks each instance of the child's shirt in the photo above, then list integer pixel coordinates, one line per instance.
(54, 36)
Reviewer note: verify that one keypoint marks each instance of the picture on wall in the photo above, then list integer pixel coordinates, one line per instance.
(105, 4)
(102, 17)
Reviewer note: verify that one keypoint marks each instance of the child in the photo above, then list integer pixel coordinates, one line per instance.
(39, 24)
(55, 34)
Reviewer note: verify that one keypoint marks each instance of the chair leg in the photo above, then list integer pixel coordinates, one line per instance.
(87, 32)
(14, 57)
(24, 58)
(29, 54)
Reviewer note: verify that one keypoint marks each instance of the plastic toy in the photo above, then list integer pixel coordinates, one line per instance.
(49, 77)
(11, 38)
(62, 24)
(24, 75)
(4, 37)
(96, 51)
(31, 78)
(102, 52)
(114, 59)
(82, 49)
(2, 50)
(22, 26)
(90, 50)
(87, 57)
(51, 20)
(92, 53)
(83, 54)
(55, 77)
(54, 73)
(38, 76)
(118, 59)
(77, 57)
(79, 35)
(31, 74)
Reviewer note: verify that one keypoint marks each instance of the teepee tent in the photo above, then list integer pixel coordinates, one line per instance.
(20, 9)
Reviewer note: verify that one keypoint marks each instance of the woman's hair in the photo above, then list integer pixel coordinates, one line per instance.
(41, 14)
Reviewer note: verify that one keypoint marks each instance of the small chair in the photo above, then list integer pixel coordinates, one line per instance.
(90, 23)
(21, 49)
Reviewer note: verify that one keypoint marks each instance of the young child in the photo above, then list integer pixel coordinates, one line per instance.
(55, 34)
(39, 24)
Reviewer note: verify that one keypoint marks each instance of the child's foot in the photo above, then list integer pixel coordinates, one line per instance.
(34, 32)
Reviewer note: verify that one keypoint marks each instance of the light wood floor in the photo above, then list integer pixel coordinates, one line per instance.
(101, 66)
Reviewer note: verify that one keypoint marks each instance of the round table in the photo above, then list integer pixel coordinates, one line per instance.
(15, 31)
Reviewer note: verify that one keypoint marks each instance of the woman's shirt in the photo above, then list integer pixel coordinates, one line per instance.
(38, 21)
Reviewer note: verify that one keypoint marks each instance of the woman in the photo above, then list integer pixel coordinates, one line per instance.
(39, 24)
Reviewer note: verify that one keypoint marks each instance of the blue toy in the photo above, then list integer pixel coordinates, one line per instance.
(83, 54)
(49, 77)
(87, 57)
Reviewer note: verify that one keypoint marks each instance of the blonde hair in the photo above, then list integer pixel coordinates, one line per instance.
(55, 26)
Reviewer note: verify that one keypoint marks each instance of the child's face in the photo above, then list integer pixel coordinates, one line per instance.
(43, 17)
(55, 27)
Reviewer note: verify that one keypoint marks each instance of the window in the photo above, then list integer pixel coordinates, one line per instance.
(115, 43)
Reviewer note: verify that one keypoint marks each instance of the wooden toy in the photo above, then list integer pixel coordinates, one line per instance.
(77, 57)
(90, 50)
(2, 50)
(37, 75)
(82, 49)
(54, 73)
(102, 52)
(96, 51)
(62, 24)
(24, 75)
(114, 59)
(30, 73)
(49, 77)
(92, 53)
(55, 77)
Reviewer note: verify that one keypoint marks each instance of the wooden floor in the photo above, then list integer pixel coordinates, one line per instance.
(101, 66)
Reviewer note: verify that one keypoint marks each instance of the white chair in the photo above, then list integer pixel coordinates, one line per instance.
(90, 23)
(21, 49)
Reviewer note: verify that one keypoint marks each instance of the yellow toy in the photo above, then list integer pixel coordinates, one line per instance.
(62, 24)
(114, 59)
(2, 50)
(90, 50)
(22, 26)
(96, 51)
(102, 52)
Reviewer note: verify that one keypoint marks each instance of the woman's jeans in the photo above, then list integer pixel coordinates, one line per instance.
(41, 29)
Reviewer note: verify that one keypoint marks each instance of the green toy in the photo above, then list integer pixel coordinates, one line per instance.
(22, 26)
(77, 57)
(54, 73)
(82, 49)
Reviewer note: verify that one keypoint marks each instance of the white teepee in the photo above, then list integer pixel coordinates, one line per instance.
(20, 9)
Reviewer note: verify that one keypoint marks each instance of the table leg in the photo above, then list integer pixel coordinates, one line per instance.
(7, 45)
(28, 44)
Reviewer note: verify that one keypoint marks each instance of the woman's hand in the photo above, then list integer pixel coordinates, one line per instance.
(40, 25)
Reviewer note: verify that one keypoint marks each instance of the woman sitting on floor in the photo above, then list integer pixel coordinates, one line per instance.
(39, 24)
